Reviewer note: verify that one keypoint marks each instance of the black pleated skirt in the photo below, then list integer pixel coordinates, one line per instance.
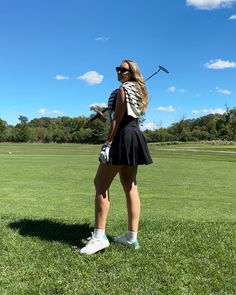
(129, 146)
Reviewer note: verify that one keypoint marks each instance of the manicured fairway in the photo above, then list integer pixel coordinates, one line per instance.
(187, 231)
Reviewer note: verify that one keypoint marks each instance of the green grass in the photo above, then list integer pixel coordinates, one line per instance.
(187, 230)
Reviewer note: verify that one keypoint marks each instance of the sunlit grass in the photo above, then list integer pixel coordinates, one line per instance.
(187, 230)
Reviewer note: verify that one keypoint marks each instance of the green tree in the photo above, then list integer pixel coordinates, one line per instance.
(21, 132)
(3, 128)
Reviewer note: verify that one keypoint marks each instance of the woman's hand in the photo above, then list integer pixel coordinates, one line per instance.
(101, 117)
(104, 153)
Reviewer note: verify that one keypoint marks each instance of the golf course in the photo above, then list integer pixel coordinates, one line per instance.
(187, 230)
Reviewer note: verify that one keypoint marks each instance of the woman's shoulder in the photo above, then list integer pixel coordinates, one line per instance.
(129, 84)
(114, 92)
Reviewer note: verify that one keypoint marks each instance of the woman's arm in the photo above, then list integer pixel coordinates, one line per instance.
(101, 117)
(119, 113)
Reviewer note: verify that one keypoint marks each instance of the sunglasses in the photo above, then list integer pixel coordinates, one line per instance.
(122, 70)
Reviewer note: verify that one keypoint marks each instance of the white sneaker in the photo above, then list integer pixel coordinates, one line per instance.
(124, 241)
(94, 245)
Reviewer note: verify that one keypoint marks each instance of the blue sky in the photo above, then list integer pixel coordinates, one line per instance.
(58, 57)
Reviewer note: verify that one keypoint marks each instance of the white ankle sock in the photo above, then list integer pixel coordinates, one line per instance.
(131, 236)
(99, 233)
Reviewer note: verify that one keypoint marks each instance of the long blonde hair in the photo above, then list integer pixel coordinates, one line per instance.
(137, 77)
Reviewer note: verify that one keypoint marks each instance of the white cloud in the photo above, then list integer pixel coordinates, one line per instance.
(56, 112)
(233, 17)
(209, 111)
(102, 39)
(223, 91)
(165, 109)
(43, 112)
(46, 112)
(91, 78)
(219, 64)
(100, 105)
(172, 89)
(60, 77)
(210, 4)
(150, 126)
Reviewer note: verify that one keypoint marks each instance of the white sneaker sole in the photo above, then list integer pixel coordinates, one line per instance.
(93, 251)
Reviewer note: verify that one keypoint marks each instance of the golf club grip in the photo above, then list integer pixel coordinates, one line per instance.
(96, 116)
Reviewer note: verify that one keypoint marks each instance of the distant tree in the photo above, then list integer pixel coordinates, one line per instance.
(21, 132)
(23, 120)
(82, 130)
(40, 134)
(99, 131)
(149, 135)
(84, 135)
(3, 128)
(41, 122)
(58, 135)
(163, 135)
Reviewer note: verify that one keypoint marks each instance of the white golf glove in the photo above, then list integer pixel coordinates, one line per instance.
(104, 154)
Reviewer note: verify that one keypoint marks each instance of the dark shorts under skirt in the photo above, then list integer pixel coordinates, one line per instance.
(129, 146)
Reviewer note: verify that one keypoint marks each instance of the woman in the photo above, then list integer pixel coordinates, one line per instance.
(124, 150)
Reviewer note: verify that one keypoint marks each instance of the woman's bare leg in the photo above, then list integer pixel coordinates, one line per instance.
(103, 179)
(128, 180)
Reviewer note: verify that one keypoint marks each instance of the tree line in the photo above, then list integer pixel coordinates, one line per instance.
(82, 130)
(209, 127)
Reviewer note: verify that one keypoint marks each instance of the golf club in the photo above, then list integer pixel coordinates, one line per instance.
(160, 69)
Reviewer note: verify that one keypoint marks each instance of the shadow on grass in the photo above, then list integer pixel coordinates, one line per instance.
(49, 230)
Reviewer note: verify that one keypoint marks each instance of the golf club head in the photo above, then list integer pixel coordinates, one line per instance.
(163, 69)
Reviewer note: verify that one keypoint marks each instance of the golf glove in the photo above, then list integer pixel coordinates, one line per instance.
(104, 154)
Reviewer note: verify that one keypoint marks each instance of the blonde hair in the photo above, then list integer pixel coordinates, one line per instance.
(137, 77)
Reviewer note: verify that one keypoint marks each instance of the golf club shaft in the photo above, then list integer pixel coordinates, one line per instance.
(152, 75)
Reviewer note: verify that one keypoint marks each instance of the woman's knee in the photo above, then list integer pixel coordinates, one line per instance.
(129, 187)
(128, 182)
(101, 201)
